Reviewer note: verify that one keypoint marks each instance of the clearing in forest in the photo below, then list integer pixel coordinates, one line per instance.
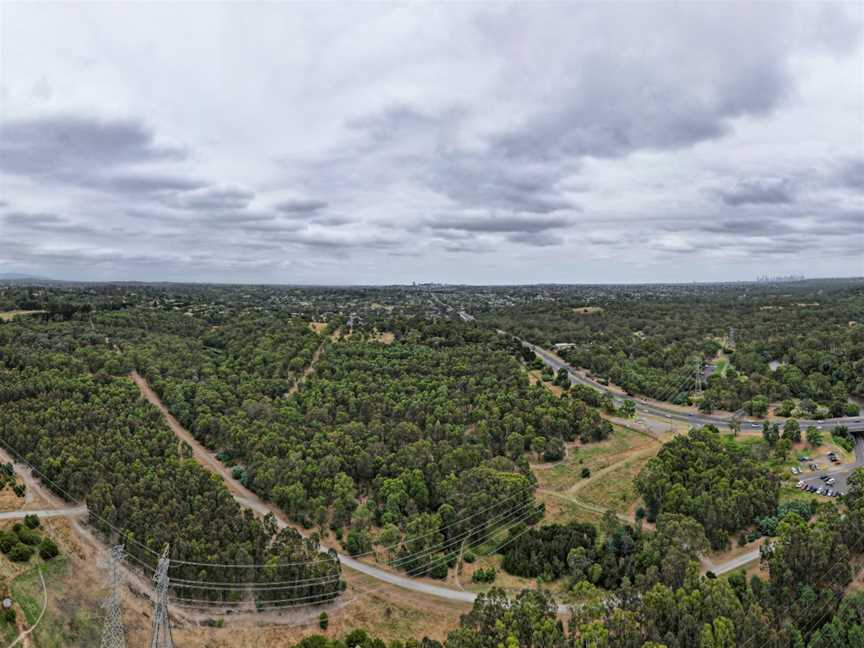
(8, 316)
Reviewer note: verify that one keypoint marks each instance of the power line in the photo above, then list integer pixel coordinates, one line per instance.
(263, 605)
(500, 522)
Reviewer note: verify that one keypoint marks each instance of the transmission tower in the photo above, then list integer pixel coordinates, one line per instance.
(161, 624)
(697, 376)
(113, 634)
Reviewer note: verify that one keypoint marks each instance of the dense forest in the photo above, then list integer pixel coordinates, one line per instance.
(710, 479)
(95, 440)
(408, 432)
(426, 429)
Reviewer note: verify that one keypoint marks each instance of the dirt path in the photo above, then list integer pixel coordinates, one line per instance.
(206, 458)
(249, 499)
(585, 505)
(24, 637)
(308, 370)
(633, 456)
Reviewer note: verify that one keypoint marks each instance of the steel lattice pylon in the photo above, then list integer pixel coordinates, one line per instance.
(113, 633)
(161, 624)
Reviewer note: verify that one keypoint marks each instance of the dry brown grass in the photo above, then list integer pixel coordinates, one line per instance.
(384, 338)
(588, 310)
(10, 315)
(318, 327)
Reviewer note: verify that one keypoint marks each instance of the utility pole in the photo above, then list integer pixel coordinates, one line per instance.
(113, 633)
(732, 338)
(161, 624)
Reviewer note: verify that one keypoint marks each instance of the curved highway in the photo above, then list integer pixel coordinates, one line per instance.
(855, 424)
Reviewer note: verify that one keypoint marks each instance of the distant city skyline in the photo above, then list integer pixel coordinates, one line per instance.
(467, 143)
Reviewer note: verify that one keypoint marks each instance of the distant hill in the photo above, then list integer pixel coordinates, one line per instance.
(17, 276)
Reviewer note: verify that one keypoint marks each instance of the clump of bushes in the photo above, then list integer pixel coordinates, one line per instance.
(23, 541)
(439, 569)
(484, 575)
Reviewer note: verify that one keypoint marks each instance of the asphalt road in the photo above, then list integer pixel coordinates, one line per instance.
(855, 424)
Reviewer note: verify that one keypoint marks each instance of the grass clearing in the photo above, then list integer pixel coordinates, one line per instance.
(318, 327)
(615, 489)
(7, 316)
(595, 456)
(561, 509)
(588, 310)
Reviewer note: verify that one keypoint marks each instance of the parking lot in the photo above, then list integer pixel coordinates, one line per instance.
(839, 474)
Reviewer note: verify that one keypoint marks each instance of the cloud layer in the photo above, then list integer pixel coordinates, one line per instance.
(464, 143)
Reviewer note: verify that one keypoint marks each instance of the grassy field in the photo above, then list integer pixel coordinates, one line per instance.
(72, 618)
(595, 456)
(10, 315)
(615, 489)
(561, 508)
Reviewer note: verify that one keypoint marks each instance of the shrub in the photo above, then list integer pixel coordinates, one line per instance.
(469, 557)
(20, 553)
(484, 575)
(586, 473)
(28, 536)
(803, 509)
(439, 569)
(48, 549)
(32, 521)
(7, 541)
(323, 620)
(844, 442)
(9, 616)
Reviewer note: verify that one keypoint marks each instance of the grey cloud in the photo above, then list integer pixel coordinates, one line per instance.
(212, 198)
(147, 184)
(742, 227)
(47, 222)
(72, 146)
(535, 239)
(333, 240)
(494, 223)
(467, 248)
(300, 207)
(758, 191)
(333, 221)
(492, 181)
(851, 174)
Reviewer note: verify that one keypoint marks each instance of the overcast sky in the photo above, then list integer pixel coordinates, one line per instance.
(469, 143)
